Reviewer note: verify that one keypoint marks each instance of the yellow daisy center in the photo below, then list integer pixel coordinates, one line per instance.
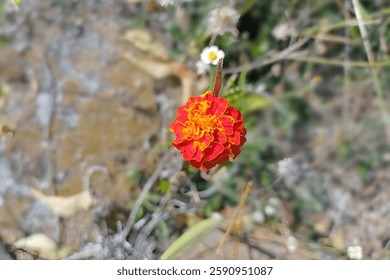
(213, 56)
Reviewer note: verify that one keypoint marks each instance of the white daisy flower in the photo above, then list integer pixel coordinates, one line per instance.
(223, 19)
(211, 55)
(201, 67)
(283, 31)
(287, 169)
(291, 244)
(270, 210)
(355, 252)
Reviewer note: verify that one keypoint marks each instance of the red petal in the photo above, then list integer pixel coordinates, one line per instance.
(226, 120)
(235, 151)
(186, 148)
(177, 128)
(235, 138)
(195, 164)
(232, 112)
(217, 107)
(219, 160)
(198, 155)
(213, 151)
(208, 165)
(220, 137)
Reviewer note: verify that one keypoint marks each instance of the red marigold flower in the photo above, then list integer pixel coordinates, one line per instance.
(208, 130)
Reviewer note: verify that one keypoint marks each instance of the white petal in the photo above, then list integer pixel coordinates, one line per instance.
(204, 56)
(202, 67)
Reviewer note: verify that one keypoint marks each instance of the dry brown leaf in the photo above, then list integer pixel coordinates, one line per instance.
(65, 206)
(161, 70)
(38, 241)
(156, 62)
(143, 41)
(155, 69)
(4, 93)
(43, 245)
(6, 129)
(6, 125)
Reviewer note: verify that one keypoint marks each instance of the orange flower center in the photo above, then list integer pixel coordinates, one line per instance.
(199, 123)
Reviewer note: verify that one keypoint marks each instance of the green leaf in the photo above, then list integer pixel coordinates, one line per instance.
(252, 102)
(133, 176)
(193, 235)
(162, 230)
(192, 169)
(165, 186)
(242, 78)
(247, 6)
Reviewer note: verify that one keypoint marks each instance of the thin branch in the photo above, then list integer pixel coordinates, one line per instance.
(363, 31)
(244, 196)
(148, 185)
(334, 62)
(265, 61)
(346, 68)
(349, 22)
(370, 57)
